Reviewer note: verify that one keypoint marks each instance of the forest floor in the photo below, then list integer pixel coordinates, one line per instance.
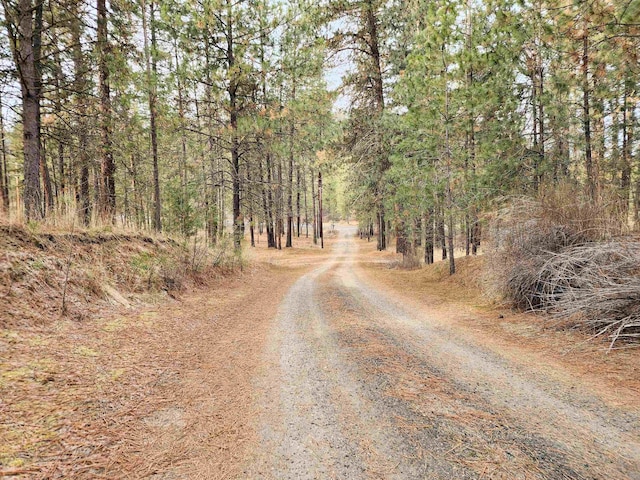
(318, 364)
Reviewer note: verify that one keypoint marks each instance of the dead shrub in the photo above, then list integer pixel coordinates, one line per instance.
(197, 262)
(596, 285)
(172, 274)
(564, 254)
(225, 258)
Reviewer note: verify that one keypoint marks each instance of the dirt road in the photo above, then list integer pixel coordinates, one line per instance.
(313, 365)
(356, 384)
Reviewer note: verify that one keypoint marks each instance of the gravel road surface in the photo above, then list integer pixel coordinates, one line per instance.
(355, 384)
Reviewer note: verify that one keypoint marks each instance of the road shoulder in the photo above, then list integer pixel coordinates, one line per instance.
(530, 341)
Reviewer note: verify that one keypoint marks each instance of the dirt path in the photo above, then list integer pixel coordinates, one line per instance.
(357, 384)
(310, 365)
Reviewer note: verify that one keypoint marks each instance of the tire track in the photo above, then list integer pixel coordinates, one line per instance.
(356, 386)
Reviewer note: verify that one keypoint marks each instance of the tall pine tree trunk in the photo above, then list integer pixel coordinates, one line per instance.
(371, 28)
(627, 143)
(292, 130)
(183, 141)
(449, 193)
(232, 90)
(271, 228)
(428, 237)
(151, 68)
(320, 212)
(313, 201)
(4, 176)
(280, 207)
(19, 22)
(298, 201)
(62, 171)
(586, 117)
(83, 195)
(107, 164)
(250, 203)
(306, 208)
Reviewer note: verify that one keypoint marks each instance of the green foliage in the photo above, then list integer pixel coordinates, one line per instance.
(452, 104)
(181, 208)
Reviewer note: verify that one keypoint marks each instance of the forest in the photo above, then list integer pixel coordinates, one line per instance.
(215, 116)
(296, 239)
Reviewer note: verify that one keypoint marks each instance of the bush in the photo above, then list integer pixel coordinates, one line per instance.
(564, 254)
(596, 285)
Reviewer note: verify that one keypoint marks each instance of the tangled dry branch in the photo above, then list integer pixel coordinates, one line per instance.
(597, 285)
(570, 259)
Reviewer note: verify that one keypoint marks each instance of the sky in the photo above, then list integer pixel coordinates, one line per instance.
(333, 76)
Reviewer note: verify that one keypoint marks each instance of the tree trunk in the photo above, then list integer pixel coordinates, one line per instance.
(107, 165)
(374, 46)
(215, 224)
(266, 206)
(20, 29)
(151, 69)
(271, 228)
(46, 179)
(4, 176)
(280, 206)
(449, 193)
(371, 27)
(586, 119)
(306, 210)
(382, 237)
(250, 201)
(137, 205)
(315, 218)
(534, 112)
(292, 130)
(627, 143)
(441, 238)
(320, 219)
(298, 201)
(475, 233)
(61, 184)
(452, 262)
(183, 140)
(541, 123)
(232, 91)
(37, 55)
(428, 237)
(80, 69)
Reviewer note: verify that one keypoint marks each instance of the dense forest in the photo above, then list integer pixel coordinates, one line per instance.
(216, 116)
(316, 239)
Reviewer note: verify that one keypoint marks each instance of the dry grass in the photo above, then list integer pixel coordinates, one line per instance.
(100, 391)
(465, 286)
(563, 253)
(45, 275)
(106, 398)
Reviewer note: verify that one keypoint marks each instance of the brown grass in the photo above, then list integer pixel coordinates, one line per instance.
(46, 275)
(116, 392)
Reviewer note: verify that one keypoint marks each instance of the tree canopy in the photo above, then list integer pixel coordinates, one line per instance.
(213, 116)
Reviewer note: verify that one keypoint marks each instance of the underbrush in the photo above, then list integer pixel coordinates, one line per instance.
(46, 275)
(567, 256)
